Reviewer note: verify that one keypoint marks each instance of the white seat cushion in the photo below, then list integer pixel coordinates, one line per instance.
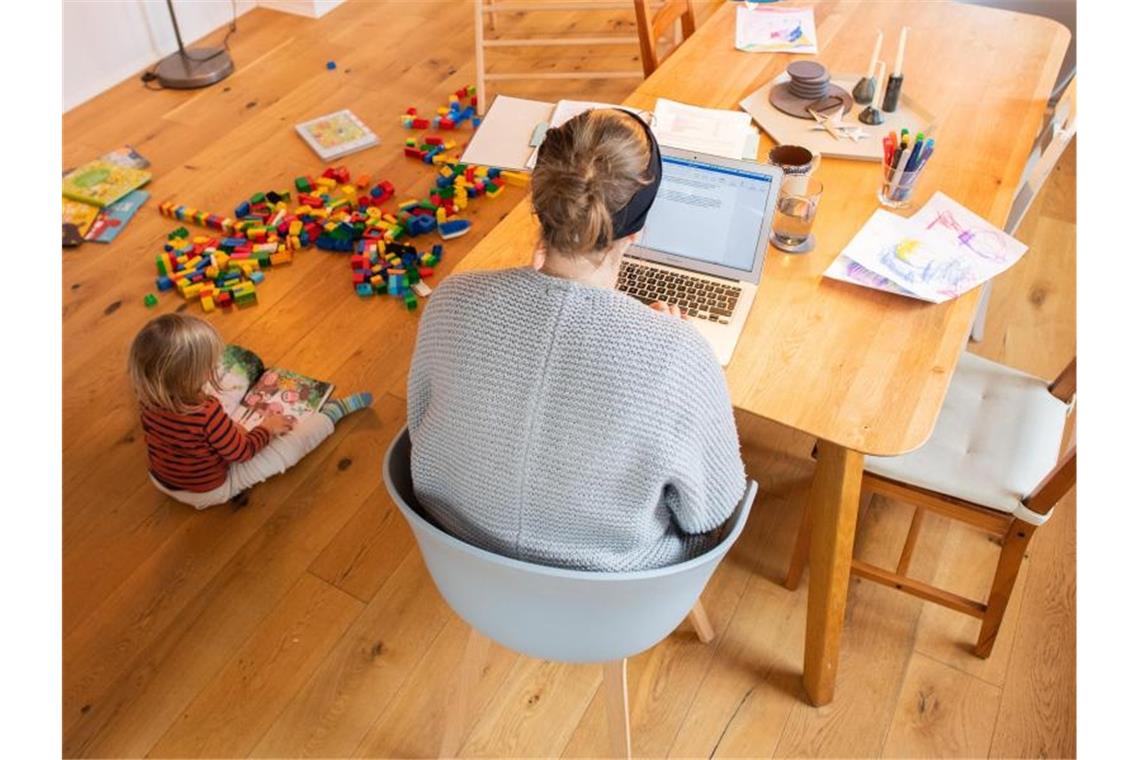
(998, 435)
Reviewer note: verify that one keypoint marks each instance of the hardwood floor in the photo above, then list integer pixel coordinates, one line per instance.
(305, 622)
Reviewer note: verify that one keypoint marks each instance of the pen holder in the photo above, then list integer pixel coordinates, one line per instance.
(897, 187)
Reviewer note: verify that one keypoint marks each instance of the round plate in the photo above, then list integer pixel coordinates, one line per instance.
(781, 97)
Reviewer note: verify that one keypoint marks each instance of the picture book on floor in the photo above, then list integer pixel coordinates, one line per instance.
(272, 390)
(101, 182)
(114, 218)
(81, 215)
(337, 134)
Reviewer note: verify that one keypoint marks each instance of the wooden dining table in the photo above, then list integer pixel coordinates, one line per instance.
(863, 371)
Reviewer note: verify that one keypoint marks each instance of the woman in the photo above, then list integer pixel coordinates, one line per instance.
(555, 419)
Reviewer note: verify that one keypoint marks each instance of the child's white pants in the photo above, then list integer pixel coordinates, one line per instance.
(281, 453)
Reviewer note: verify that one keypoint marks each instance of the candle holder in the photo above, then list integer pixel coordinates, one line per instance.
(864, 91)
(891, 97)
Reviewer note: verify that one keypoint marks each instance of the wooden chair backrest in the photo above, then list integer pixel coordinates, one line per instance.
(652, 26)
(1063, 476)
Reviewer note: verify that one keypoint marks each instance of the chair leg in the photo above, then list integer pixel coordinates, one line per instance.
(911, 540)
(617, 706)
(803, 543)
(799, 552)
(1009, 564)
(978, 329)
(700, 620)
(462, 696)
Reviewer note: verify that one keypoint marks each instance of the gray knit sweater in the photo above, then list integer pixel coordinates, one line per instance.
(569, 425)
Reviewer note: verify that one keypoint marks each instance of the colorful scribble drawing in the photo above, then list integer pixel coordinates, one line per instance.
(775, 29)
(917, 265)
(987, 243)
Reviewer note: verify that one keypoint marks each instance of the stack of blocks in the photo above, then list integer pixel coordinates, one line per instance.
(447, 117)
(391, 268)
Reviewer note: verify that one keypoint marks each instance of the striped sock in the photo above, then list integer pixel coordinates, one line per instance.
(335, 409)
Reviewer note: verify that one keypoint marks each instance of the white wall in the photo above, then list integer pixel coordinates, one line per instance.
(107, 41)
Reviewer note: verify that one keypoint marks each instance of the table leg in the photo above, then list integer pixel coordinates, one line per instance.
(834, 505)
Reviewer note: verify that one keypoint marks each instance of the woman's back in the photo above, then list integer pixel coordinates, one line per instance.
(569, 425)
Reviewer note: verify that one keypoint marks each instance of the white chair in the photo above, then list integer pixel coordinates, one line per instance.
(552, 613)
(991, 462)
(1060, 128)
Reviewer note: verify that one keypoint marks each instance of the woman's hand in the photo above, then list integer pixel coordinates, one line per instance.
(671, 309)
(277, 424)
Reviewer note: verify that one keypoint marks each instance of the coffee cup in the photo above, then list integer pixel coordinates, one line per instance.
(797, 162)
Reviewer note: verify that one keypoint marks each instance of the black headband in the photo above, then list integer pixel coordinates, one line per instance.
(630, 218)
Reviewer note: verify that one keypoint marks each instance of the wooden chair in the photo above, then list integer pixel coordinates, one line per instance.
(992, 462)
(552, 613)
(562, 40)
(1060, 128)
(651, 27)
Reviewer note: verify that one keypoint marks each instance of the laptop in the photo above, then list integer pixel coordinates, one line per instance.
(704, 242)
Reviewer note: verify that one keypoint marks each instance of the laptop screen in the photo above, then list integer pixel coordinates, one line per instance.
(708, 213)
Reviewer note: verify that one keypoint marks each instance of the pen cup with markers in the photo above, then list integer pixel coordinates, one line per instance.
(901, 179)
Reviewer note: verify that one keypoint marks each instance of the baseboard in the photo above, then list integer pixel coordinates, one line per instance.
(307, 8)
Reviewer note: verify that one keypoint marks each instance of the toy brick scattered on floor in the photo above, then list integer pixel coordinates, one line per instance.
(334, 213)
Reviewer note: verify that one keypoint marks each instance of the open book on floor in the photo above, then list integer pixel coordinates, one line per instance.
(273, 390)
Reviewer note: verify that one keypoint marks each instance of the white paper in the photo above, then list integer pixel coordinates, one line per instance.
(564, 112)
(503, 136)
(941, 252)
(776, 30)
(704, 130)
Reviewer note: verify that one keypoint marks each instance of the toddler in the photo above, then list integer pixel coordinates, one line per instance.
(198, 454)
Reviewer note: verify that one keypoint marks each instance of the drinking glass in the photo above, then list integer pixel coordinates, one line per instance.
(795, 213)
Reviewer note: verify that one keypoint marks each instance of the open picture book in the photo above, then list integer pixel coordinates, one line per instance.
(272, 390)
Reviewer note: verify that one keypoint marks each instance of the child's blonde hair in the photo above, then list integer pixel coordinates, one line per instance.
(174, 359)
(587, 169)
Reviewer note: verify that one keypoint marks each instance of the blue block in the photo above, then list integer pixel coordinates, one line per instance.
(493, 172)
(242, 209)
(256, 277)
(454, 228)
(330, 65)
(364, 289)
(164, 283)
(475, 122)
(437, 251)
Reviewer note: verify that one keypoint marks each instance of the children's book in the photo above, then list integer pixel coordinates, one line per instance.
(128, 157)
(775, 30)
(114, 217)
(101, 182)
(273, 390)
(79, 214)
(337, 134)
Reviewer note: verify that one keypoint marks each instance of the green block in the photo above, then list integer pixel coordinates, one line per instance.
(303, 185)
(256, 198)
(150, 300)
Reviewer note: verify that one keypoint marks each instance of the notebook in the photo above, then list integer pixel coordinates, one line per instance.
(337, 134)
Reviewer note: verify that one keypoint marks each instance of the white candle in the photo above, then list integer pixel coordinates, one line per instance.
(899, 54)
(880, 85)
(875, 55)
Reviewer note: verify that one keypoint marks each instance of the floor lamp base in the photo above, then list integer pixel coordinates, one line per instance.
(197, 67)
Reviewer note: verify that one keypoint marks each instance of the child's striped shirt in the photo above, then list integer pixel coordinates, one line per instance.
(193, 451)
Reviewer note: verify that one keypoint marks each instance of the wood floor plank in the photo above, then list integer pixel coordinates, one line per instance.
(233, 711)
(1038, 715)
(942, 712)
(413, 723)
(361, 558)
(333, 711)
(137, 690)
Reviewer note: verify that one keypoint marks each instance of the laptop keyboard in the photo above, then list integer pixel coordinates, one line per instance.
(696, 296)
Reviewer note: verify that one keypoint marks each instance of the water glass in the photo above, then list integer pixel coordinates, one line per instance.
(796, 206)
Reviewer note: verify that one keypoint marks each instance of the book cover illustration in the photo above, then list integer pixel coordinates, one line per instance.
(337, 134)
(101, 183)
(79, 214)
(282, 391)
(127, 156)
(115, 216)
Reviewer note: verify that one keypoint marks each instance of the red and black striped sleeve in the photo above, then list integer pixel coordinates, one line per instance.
(229, 440)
